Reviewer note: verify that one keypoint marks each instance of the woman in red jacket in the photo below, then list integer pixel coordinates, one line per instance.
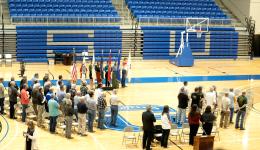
(24, 101)
(194, 122)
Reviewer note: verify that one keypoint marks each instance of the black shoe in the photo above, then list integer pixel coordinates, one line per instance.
(242, 129)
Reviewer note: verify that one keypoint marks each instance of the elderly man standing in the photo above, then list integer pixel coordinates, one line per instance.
(82, 110)
(92, 107)
(13, 93)
(210, 99)
(225, 111)
(182, 105)
(148, 120)
(53, 112)
(102, 104)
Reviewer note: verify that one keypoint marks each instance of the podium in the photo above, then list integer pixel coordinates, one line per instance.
(67, 59)
(203, 143)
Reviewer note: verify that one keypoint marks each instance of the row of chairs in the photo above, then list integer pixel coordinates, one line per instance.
(59, 1)
(180, 134)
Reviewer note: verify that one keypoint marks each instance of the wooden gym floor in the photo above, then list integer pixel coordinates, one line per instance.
(149, 93)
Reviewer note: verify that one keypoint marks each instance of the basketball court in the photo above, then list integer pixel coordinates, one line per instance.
(157, 83)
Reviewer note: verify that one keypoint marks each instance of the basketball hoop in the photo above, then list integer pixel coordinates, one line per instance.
(199, 33)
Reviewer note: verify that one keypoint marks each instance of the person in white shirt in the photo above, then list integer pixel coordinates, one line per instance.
(98, 92)
(210, 98)
(114, 101)
(232, 98)
(225, 111)
(31, 137)
(166, 126)
(216, 96)
(185, 87)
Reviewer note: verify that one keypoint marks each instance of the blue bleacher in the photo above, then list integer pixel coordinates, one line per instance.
(56, 9)
(174, 9)
(222, 42)
(41, 42)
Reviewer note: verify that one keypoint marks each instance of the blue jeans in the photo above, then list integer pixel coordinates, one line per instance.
(114, 112)
(24, 112)
(123, 77)
(53, 123)
(101, 118)
(242, 114)
(231, 114)
(91, 118)
(181, 116)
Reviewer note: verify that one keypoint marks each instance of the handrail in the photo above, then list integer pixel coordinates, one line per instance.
(182, 21)
(65, 19)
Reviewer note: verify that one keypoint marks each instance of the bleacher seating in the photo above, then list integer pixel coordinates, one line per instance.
(174, 9)
(163, 42)
(38, 43)
(59, 9)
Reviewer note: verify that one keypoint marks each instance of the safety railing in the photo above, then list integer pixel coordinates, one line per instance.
(67, 20)
(182, 21)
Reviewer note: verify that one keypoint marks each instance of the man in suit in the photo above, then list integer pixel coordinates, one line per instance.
(148, 119)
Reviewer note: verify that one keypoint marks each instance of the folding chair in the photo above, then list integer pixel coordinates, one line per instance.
(185, 131)
(175, 132)
(140, 135)
(129, 134)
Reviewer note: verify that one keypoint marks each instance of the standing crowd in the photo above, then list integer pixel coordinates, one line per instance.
(204, 108)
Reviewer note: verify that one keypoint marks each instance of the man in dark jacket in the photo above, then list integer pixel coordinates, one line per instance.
(13, 93)
(183, 104)
(148, 119)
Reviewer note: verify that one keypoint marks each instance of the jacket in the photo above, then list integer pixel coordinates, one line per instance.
(148, 119)
(183, 100)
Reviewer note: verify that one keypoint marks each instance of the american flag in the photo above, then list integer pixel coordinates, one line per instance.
(74, 68)
(109, 66)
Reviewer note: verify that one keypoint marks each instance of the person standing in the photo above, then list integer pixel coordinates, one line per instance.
(148, 120)
(115, 82)
(45, 78)
(124, 73)
(207, 120)
(24, 101)
(225, 111)
(114, 101)
(22, 82)
(53, 113)
(194, 122)
(9, 83)
(68, 86)
(210, 98)
(90, 75)
(182, 106)
(242, 102)
(232, 98)
(216, 96)
(35, 93)
(83, 71)
(185, 86)
(2, 96)
(83, 88)
(61, 94)
(68, 118)
(40, 107)
(82, 110)
(98, 73)
(102, 104)
(75, 103)
(107, 74)
(201, 97)
(92, 106)
(13, 93)
(195, 99)
(166, 126)
(31, 137)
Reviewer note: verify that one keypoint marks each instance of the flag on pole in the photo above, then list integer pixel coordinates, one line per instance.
(109, 66)
(118, 65)
(74, 69)
(101, 66)
(129, 67)
(93, 66)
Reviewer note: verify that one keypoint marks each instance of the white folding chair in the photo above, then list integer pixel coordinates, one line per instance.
(8, 59)
(175, 132)
(129, 135)
(140, 136)
(185, 131)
